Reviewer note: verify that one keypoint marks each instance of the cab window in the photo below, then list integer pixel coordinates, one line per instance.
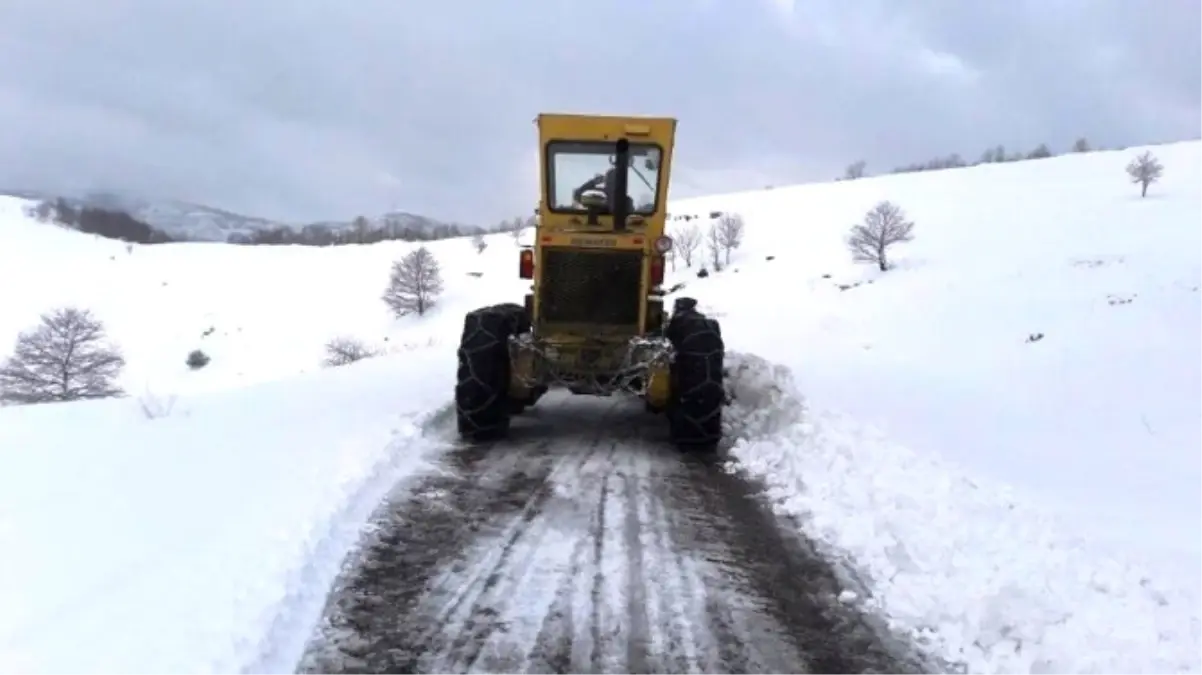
(572, 165)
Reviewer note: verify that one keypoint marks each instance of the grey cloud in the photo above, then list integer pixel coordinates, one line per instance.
(322, 109)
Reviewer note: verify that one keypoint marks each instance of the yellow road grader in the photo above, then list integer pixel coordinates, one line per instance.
(594, 322)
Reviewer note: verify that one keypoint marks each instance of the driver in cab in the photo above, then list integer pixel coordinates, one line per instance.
(606, 182)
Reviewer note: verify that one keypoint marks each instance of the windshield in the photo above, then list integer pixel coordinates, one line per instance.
(576, 165)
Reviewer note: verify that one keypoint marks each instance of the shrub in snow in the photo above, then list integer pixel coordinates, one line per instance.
(1145, 170)
(65, 358)
(154, 407)
(197, 359)
(702, 273)
(883, 226)
(342, 351)
(415, 283)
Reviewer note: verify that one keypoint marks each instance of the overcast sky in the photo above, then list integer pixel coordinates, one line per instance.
(314, 109)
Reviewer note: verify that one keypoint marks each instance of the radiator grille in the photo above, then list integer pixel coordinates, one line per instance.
(599, 287)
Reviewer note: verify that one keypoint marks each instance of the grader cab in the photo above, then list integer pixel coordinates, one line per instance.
(594, 322)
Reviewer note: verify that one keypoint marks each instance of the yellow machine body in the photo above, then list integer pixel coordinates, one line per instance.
(596, 268)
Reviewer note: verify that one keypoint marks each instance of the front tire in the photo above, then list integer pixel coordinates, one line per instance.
(482, 405)
(698, 394)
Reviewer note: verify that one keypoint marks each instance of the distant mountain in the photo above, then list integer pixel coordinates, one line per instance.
(182, 220)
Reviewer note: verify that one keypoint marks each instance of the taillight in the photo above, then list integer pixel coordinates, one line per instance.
(657, 270)
(526, 264)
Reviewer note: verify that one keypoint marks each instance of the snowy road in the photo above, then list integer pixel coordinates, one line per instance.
(586, 544)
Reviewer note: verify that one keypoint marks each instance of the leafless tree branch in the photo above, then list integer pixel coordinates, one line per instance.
(415, 283)
(884, 226)
(65, 358)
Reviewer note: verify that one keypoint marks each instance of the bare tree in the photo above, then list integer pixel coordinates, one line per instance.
(360, 230)
(1041, 151)
(67, 357)
(43, 212)
(479, 243)
(515, 228)
(1145, 170)
(884, 226)
(415, 283)
(713, 244)
(343, 351)
(730, 233)
(685, 242)
(855, 170)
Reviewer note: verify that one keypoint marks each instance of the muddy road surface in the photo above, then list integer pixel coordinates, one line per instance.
(586, 544)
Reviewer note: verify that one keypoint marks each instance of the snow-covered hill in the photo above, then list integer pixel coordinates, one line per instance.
(187, 221)
(1019, 504)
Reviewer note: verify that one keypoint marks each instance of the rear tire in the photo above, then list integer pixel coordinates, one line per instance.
(482, 404)
(698, 394)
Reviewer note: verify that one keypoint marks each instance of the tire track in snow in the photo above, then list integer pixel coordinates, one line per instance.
(518, 571)
(586, 544)
(780, 581)
(417, 567)
(577, 605)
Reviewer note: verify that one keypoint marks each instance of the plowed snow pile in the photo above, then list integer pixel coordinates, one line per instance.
(960, 563)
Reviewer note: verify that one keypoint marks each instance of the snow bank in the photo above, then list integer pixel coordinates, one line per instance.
(960, 564)
(203, 539)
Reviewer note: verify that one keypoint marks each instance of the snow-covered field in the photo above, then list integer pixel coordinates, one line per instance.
(1022, 506)
(200, 540)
